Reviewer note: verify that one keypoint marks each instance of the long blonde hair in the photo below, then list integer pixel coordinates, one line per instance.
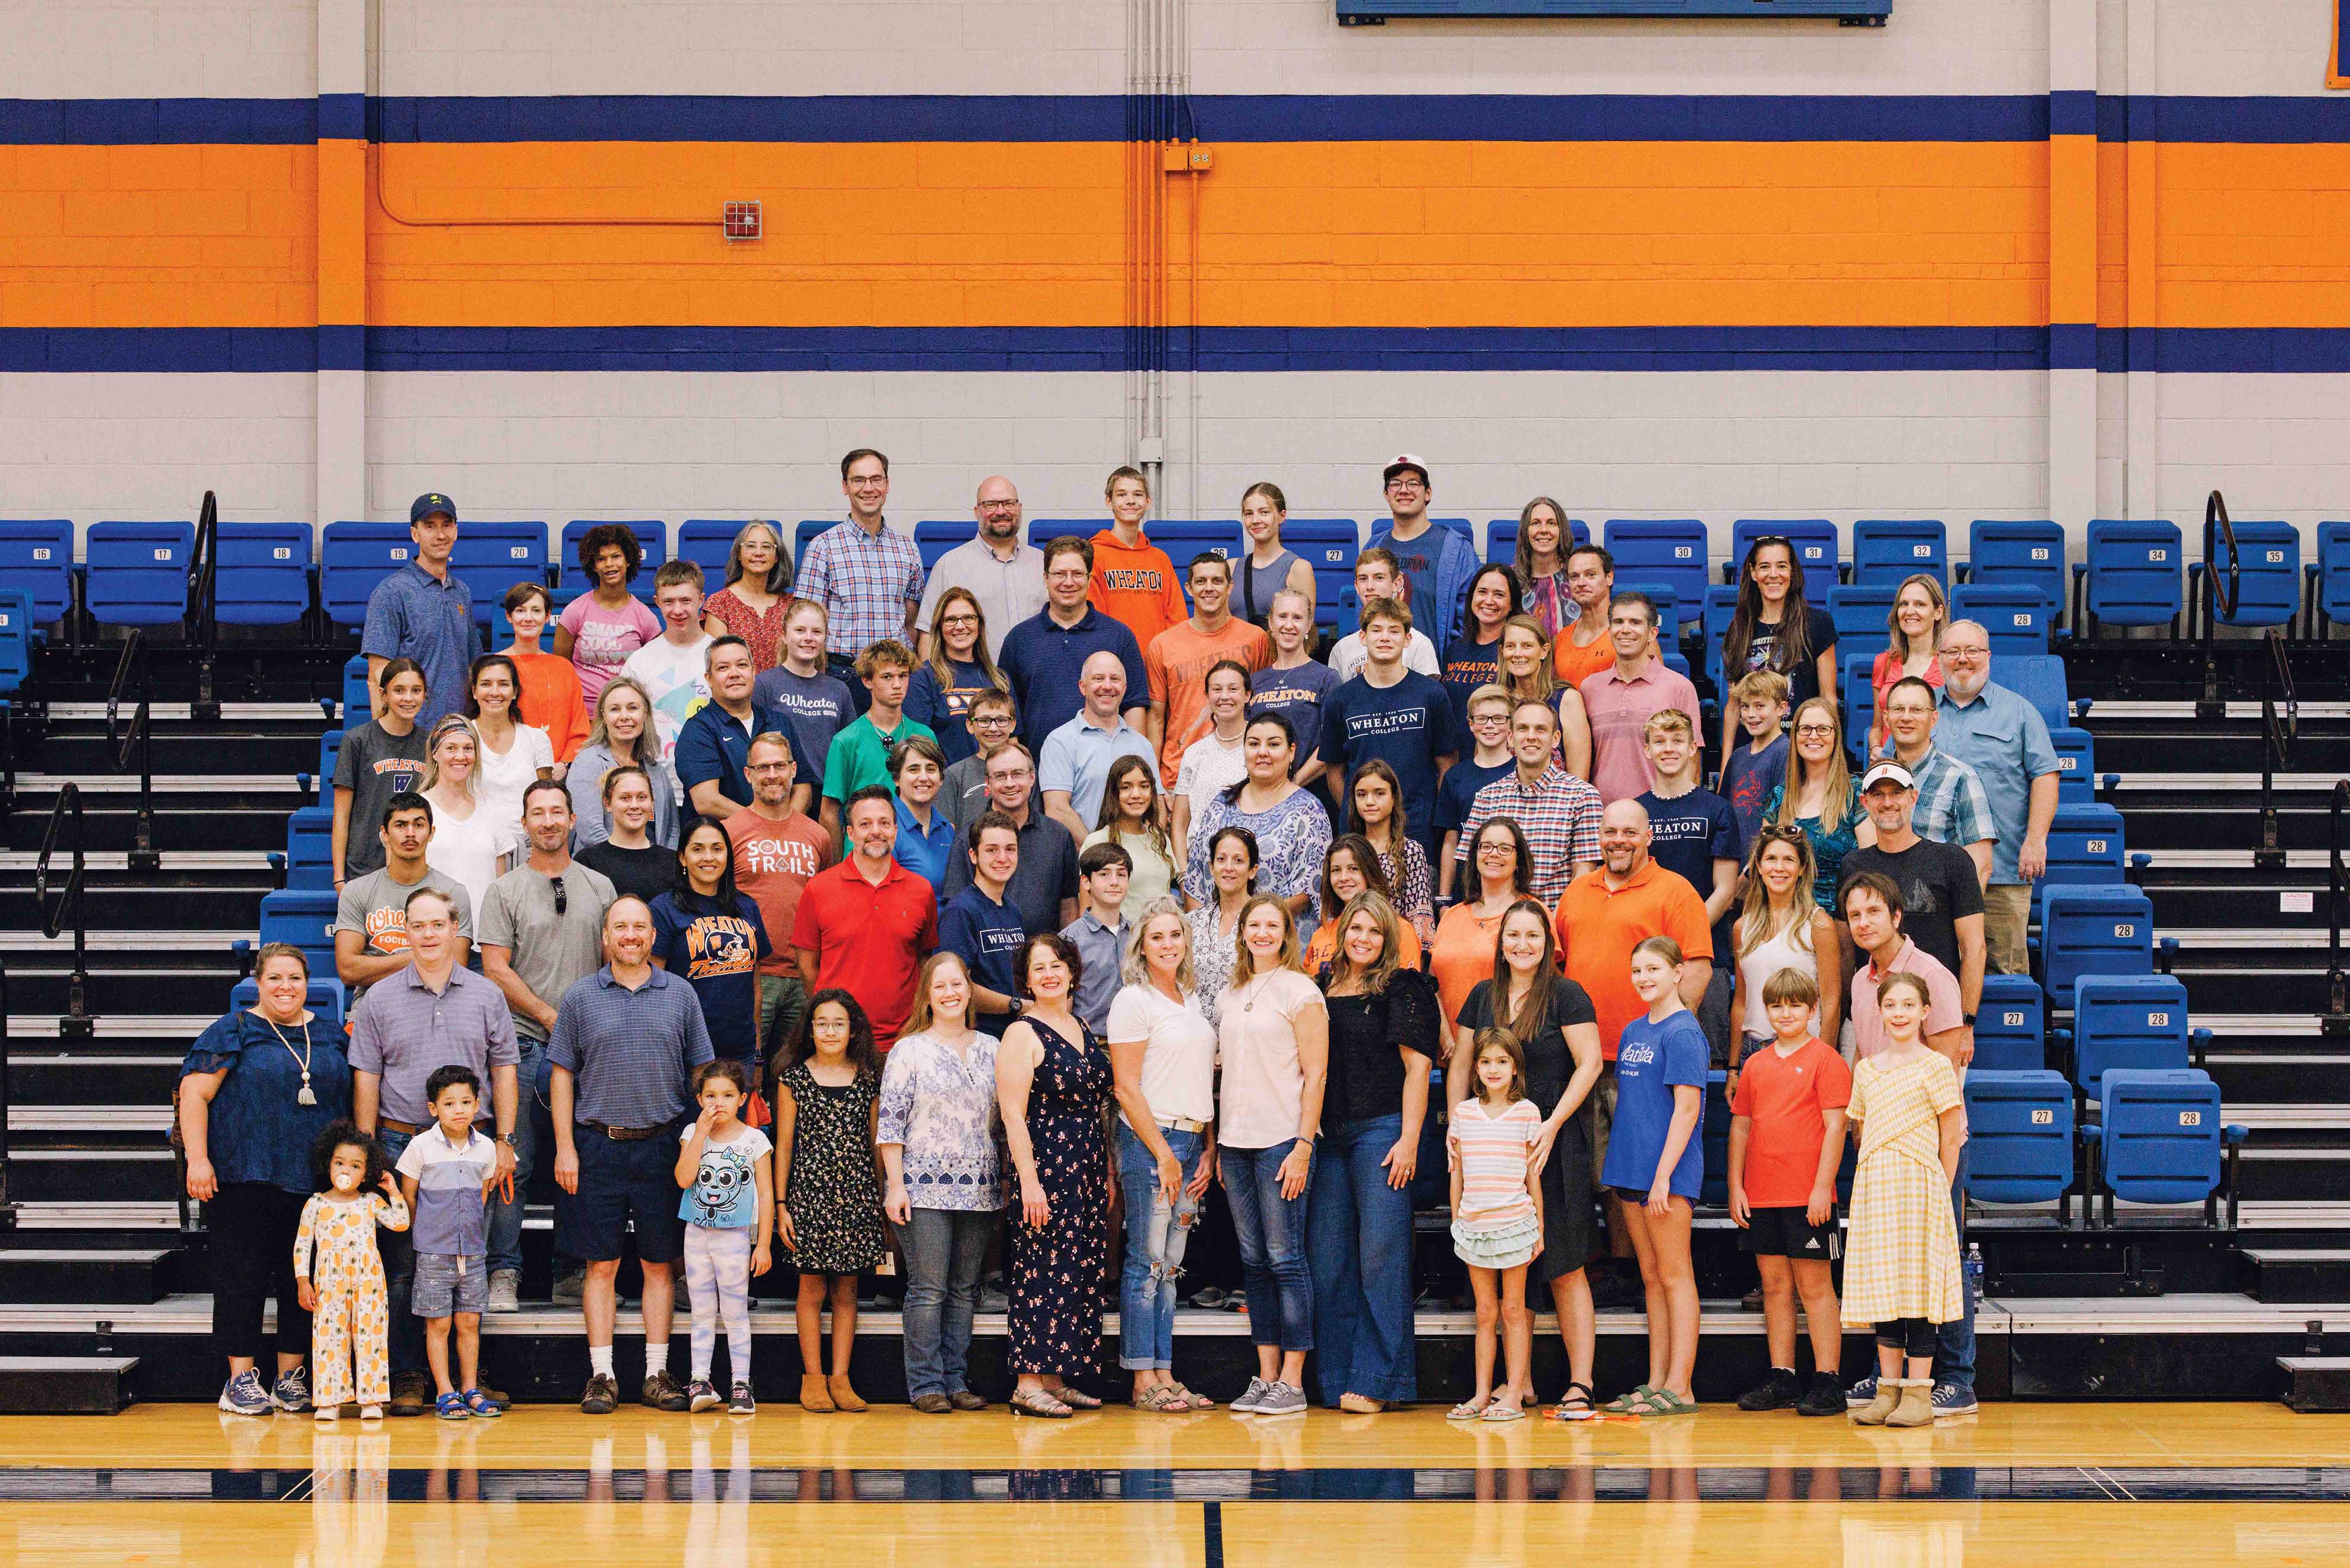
(452, 724)
(647, 749)
(979, 654)
(1545, 678)
(1897, 639)
(1134, 964)
(919, 1020)
(1757, 921)
(1382, 969)
(1244, 968)
(1835, 800)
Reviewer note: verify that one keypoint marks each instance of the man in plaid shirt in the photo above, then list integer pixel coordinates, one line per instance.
(1558, 813)
(867, 576)
(1951, 807)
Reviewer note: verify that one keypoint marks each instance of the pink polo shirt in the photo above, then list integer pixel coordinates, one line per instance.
(1943, 1009)
(1620, 710)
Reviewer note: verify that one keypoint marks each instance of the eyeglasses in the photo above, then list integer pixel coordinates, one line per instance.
(990, 721)
(562, 900)
(958, 620)
(999, 507)
(1407, 484)
(1497, 849)
(1817, 732)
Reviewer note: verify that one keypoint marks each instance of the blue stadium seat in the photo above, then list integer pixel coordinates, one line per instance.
(2085, 847)
(1814, 539)
(935, 537)
(1713, 1127)
(308, 861)
(16, 641)
(1860, 612)
(2076, 763)
(652, 538)
(264, 573)
(1721, 606)
(358, 701)
(36, 555)
(2010, 1026)
(1667, 550)
(2019, 1136)
(2014, 616)
(327, 998)
(1859, 698)
(809, 527)
(492, 557)
(301, 918)
(1501, 538)
(707, 542)
(1885, 550)
(1183, 540)
(2268, 575)
(2129, 1021)
(352, 558)
(1326, 543)
(2039, 680)
(1042, 531)
(2159, 1138)
(2032, 554)
(330, 746)
(2093, 929)
(137, 573)
(2133, 574)
(2329, 575)
(1333, 602)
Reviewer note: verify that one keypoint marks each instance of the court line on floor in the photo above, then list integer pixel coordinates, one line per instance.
(1211, 1535)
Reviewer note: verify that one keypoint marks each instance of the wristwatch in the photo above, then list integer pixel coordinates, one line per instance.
(506, 1138)
(1968, 1018)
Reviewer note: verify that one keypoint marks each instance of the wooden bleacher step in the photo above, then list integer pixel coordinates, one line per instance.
(65, 1384)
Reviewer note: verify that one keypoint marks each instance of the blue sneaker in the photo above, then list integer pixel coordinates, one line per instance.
(292, 1392)
(244, 1395)
(1952, 1399)
(1861, 1393)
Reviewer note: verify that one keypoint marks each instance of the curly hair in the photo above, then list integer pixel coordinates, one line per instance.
(338, 1134)
(608, 536)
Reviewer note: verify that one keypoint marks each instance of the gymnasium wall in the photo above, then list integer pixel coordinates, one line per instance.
(1985, 262)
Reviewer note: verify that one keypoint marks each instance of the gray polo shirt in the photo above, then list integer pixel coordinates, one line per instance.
(551, 952)
(631, 1051)
(376, 907)
(963, 793)
(1008, 592)
(411, 614)
(408, 1030)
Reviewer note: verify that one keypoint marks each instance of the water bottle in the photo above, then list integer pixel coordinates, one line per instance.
(1974, 1272)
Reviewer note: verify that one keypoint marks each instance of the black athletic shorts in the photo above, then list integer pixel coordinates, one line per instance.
(1787, 1233)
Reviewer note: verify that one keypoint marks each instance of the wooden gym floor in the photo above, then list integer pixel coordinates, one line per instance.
(163, 1485)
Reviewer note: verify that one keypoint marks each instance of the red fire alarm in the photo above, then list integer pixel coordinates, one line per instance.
(741, 220)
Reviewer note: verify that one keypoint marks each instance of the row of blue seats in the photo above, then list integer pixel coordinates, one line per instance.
(136, 571)
(2149, 1134)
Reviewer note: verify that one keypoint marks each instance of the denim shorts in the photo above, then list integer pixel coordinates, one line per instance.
(447, 1284)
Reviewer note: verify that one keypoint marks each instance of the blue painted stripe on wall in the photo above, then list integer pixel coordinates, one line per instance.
(188, 350)
(1343, 118)
(342, 116)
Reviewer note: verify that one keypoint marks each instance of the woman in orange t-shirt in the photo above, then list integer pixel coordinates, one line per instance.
(1463, 957)
(550, 684)
(1350, 869)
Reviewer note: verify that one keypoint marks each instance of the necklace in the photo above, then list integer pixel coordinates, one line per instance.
(1248, 997)
(301, 1058)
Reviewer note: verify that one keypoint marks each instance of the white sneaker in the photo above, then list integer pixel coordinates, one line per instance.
(503, 1284)
(1252, 1401)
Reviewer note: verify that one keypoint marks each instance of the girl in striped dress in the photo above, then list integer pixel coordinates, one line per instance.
(1497, 1223)
(1902, 1275)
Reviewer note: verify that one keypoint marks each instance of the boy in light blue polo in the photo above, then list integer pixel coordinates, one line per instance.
(447, 1174)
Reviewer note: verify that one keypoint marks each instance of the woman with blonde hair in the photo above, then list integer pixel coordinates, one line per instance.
(620, 735)
(960, 668)
(1529, 675)
(469, 845)
(1820, 797)
(1384, 1036)
(1914, 627)
(757, 595)
(1781, 925)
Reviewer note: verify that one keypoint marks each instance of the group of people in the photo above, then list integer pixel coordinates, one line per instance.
(1046, 886)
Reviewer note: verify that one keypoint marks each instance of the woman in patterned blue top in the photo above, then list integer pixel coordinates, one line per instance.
(1291, 829)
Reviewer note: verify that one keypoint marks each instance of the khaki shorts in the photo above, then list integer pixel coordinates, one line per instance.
(1602, 1101)
(2007, 906)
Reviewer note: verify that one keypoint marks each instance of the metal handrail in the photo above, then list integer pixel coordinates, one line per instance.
(7, 1209)
(2336, 1020)
(2278, 733)
(77, 1022)
(203, 602)
(135, 738)
(2216, 524)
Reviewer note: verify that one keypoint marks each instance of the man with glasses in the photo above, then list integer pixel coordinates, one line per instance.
(778, 847)
(1951, 807)
(1559, 814)
(1004, 574)
(542, 928)
(433, 1014)
(2006, 741)
(1044, 887)
(1436, 562)
(867, 575)
(1045, 655)
(992, 722)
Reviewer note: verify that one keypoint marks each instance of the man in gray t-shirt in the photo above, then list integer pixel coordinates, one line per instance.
(371, 913)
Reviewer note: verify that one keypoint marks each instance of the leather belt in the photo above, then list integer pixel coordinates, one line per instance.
(1182, 1124)
(385, 1124)
(624, 1135)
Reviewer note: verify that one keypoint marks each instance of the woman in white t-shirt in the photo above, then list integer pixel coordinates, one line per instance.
(512, 753)
(1274, 1034)
(1163, 1057)
(1217, 760)
(468, 846)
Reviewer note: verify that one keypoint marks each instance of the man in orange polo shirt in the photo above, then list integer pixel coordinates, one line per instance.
(1134, 582)
(1602, 916)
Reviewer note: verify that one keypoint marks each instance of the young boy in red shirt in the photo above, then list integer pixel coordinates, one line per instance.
(1786, 1139)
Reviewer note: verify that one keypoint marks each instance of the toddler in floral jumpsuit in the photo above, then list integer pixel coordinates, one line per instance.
(346, 1294)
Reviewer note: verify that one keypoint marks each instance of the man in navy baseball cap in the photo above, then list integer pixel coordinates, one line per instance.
(422, 610)
(429, 504)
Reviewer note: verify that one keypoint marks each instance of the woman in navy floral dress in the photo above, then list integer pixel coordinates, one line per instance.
(1052, 1082)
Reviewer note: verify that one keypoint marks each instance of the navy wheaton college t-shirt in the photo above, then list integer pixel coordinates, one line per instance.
(1407, 725)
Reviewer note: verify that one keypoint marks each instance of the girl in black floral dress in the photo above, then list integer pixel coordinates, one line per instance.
(1052, 1080)
(828, 1210)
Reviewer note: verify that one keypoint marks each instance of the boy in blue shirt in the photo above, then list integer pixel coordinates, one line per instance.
(1397, 715)
(1751, 772)
(1489, 731)
(982, 927)
(447, 1174)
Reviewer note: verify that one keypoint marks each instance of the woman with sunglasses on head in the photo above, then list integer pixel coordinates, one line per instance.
(1775, 626)
(1781, 926)
(757, 595)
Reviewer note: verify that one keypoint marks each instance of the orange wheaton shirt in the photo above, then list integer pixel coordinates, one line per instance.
(1136, 585)
(1179, 660)
(1598, 926)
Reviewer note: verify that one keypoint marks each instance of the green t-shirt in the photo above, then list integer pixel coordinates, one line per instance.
(859, 756)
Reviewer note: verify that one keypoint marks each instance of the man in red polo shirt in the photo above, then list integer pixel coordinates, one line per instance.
(865, 924)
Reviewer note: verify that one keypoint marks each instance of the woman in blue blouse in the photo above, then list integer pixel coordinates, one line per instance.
(1291, 829)
(257, 1090)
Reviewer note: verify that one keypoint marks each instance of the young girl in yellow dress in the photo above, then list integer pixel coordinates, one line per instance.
(1902, 1275)
(346, 1294)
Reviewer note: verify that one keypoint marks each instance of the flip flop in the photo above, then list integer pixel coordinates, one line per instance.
(1503, 1410)
(1468, 1410)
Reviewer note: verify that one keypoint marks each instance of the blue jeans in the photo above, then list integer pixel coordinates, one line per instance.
(406, 1339)
(1157, 1232)
(1359, 1239)
(1270, 1229)
(945, 1251)
(505, 1214)
(1954, 1342)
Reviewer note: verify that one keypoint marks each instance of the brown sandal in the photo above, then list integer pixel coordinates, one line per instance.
(1193, 1401)
(1037, 1402)
(1076, 1399)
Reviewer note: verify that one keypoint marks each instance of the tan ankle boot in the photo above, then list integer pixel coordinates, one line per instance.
(812, 1396)
(1917, 1405)
(1874, 1413)
(843, 1395)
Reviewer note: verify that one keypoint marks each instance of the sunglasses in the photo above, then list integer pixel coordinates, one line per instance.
(562, 898)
